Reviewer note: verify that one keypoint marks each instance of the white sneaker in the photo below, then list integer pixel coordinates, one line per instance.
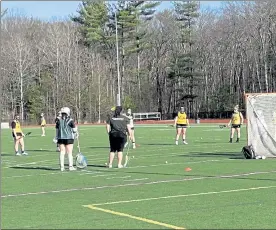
(120, 166)
(134, 146)
(176, 142)
(62, 169)
(72, 168)
(43, 135)
(185, 143)
(110, 166)
(18, 154)
(25, 154)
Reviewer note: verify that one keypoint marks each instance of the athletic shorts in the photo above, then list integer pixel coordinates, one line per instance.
(236, 126)
(178, 126)
(43, 125)
(65, 141)
(117, 142)
(17, 134)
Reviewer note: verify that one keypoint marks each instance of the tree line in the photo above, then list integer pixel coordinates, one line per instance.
(204, 60)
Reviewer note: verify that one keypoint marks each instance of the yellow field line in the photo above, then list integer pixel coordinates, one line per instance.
(133, 217)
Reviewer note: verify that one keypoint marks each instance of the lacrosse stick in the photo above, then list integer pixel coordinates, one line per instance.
(222, 126)
(81, 161)
(27, 134)
(126, 157)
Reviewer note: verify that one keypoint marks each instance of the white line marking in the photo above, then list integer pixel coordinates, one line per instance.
(179, 163)
(132, 184)
(87, 172)
(137, 179)
(102, 175)
(29, 175)
(30, 163)
(110, 178)
(46, 174)
(185, 195)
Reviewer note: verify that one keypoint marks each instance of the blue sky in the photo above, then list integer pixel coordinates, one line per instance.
(47, 10)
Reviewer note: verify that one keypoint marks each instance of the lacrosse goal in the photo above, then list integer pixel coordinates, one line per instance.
(261, 123)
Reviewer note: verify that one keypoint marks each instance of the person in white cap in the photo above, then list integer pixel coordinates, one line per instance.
(66, 132)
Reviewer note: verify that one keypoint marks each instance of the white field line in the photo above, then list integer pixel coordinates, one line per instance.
(140, 157)
(103, 175)
(132, 184)
(88, 172)
(29, 163)
(119, 177)
(29, 175)
(137, 179)
(55, 173)
(185, 195)
(199, 145)
(178, 163)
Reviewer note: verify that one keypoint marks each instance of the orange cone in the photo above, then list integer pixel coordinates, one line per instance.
(188, 169)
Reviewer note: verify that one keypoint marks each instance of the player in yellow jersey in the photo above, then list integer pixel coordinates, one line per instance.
(181, 122)
(18, 136)
(42, 124)
(236, 121)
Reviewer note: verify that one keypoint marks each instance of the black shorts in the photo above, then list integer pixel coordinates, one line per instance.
(236, 126)
(65, 141)
(178, 126)
(117, 142)
(132, 128)
(17, 134)
(42, 125)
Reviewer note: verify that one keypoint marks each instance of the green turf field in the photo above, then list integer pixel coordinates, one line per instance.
(223, 191)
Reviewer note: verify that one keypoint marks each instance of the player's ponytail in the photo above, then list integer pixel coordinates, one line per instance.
(118, 111)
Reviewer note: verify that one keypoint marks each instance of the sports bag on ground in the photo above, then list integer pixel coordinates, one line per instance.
(248, 152)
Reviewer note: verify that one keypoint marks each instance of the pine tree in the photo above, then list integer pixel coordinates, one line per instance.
(93, 18)
(130, 16)
(183, 69)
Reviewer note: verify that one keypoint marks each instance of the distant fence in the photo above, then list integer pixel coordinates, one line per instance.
(143, 116)
(147, 116)
(5, 125)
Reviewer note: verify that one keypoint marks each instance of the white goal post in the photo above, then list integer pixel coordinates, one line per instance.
(261, 123)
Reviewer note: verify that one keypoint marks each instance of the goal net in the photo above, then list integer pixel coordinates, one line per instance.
(261, 123)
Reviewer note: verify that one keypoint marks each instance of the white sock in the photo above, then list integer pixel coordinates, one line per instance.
(70, 159)
(61, 159)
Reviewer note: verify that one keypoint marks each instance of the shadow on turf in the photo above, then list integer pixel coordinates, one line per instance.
(97, 166)
(36, 168)
(41, 150)
(160, 144)
(7, 155)
(230, 155)
(98, 147)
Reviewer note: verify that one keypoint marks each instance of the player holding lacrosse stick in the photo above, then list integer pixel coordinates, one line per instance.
(236, 121)
(18, 137)
(117, 128)
(181, 122)
(66, 132)
(42, 124)
(55, 140)
(131, 123)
